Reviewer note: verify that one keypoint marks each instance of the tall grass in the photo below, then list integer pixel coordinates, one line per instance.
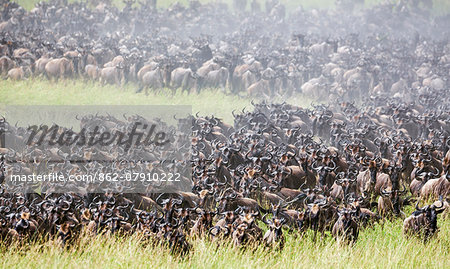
(377, 247)
(77, 92)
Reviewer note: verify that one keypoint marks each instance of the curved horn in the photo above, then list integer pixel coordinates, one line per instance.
(265, 220)
(417, 206)
(385, 193)
(333, 167)
(442, 204)
(436, 174)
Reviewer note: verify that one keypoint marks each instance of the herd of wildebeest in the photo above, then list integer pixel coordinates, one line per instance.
(388, 49)
(382, 144)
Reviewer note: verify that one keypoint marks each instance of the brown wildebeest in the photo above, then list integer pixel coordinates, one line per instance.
(111, 75)
(18, 73)
(92, 71)
(259, 88)
(146, 68)
(183, 78)
(39, 65)
(152, 79)
(59, 68)
(436, 187)
(6, 64)
(207, 67)
(217, 78)
(423, 221)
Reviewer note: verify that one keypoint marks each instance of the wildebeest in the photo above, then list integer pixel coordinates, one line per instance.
(59, 68)
(92, 72)
(436, 187)
(216, 78)
(6, 64)
(346, 227)
(111, 75)
(39, 65)
(274, 236)
(152, 79)
(423, 221)
(18, 73)
(386, 97)
(183, 78)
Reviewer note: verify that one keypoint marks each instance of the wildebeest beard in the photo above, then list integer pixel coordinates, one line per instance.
(373, 175)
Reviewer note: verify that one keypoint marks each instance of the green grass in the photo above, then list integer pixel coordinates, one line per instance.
(378, 247)
(29, 4)
(441, 7)
(71, 92)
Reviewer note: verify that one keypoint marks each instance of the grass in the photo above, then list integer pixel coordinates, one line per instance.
(43, 92)
(441, 7)
(377, 247)
(29, 4)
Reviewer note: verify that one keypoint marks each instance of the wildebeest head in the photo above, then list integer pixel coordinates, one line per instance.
(324, 170)
(373, 172)
(345, 182)
(239, 235)
(347, 217)
(23, 222)
(394, 196)
(224, 200)
(249, 219)
(276, 209)
(275, 232)
(431, 213)
(313, 209)
(395, 175)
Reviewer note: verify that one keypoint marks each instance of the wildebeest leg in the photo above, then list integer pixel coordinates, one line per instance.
(322, 234)
(46, 75)
(224, 90)
(117, 81)
(315, 232)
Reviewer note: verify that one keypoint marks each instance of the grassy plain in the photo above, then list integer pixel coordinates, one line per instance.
(440, 7)
(382, 246)
(43, 92)
(377, 247)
